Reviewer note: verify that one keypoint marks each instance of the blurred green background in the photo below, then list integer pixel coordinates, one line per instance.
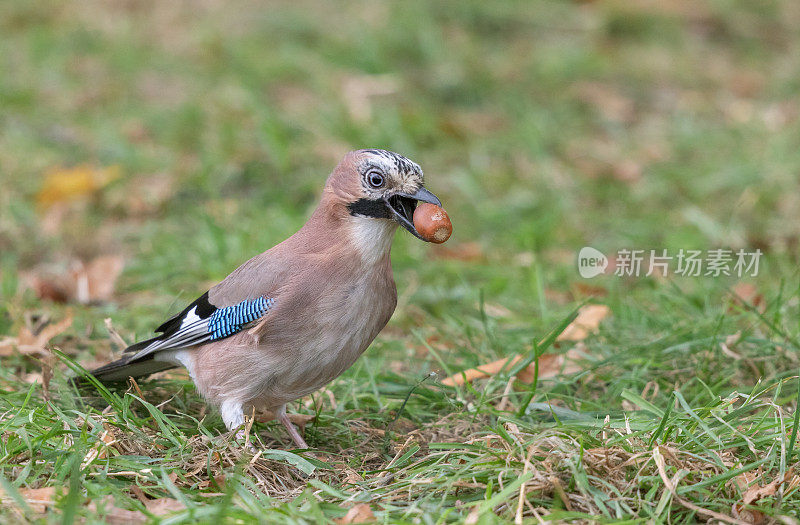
(545, 126)
(206, 129)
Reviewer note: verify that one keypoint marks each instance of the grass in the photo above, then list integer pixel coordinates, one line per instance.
(543, 128)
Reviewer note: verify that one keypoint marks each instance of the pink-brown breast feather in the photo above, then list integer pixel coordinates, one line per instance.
(328, 309)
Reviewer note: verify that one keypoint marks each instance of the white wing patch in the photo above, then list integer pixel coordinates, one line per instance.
(193, 330)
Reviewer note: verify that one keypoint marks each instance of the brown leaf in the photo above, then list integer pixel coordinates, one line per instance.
(744, 479)
(358, 513)
(84, 283)
(38, 499)
(486, 370)
(587, 322)
(757, 492)
(100, 276)
(754, 516)
(28, 343)
(160, 506)
(550, 365)
(748, 294)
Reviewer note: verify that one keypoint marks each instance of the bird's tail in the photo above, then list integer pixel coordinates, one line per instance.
(122, 369)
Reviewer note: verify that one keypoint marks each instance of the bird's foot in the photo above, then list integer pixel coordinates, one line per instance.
(293, 433)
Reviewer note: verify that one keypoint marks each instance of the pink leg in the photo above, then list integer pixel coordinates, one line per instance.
(295, 435)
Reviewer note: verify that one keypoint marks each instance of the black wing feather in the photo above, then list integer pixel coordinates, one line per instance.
(170, 329)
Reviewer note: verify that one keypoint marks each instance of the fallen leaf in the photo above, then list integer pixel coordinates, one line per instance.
(587, 322)
(745, 479)
(84, 283)
(754, 516)
(97, 279)
(67, 184)
(757, 492)
(487, 370)
(37, 499)
(550, 365)
(30, 343)
(753, 492)
(358, 513)
(748, 294)
(160, 506)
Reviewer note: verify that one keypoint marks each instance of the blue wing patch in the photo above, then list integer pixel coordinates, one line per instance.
(231, 319)
(200, 322)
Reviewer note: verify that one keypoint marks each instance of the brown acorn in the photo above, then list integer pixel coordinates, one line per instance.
(432, 223)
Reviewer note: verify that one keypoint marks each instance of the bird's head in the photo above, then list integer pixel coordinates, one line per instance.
(380, 185)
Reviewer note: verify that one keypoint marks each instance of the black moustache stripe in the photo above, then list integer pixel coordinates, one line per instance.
(369, 208)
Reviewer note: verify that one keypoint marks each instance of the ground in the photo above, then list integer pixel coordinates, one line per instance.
(177, 139)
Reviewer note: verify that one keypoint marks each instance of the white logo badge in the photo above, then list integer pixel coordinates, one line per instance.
(591, 262)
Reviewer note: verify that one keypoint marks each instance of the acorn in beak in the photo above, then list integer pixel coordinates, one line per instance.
(402, 206)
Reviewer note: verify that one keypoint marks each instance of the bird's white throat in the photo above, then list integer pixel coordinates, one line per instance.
(372, 237)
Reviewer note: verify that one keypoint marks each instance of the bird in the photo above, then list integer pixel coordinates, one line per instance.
(293, 318)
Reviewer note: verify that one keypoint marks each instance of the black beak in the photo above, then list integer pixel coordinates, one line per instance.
(402, 206)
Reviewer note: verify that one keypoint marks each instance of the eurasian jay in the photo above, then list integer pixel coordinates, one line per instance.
(293, 318)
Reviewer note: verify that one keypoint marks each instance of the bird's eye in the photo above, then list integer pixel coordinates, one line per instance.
(375, 179)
